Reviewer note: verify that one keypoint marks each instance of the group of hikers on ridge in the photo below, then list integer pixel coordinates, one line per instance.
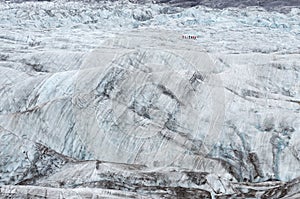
(189, 37)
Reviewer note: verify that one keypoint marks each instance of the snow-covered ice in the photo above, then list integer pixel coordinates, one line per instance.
(108, 100)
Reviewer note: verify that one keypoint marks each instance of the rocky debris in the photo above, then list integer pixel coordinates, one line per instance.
(287, 190)
(105, 179)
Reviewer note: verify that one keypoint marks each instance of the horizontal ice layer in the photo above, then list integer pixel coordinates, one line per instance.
(230, 29)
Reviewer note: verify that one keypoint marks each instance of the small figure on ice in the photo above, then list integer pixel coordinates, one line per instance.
(189, 37)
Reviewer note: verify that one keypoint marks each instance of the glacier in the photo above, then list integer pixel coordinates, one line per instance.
(106, 99)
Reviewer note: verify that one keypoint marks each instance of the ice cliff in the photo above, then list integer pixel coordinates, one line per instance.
(108, 100)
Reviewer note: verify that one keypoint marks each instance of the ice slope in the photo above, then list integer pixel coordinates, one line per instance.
(68, 68)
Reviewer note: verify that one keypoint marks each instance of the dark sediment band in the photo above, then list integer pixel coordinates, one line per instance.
(269, 5)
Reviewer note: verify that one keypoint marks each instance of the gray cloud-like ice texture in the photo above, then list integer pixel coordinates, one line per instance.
(108, 99)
